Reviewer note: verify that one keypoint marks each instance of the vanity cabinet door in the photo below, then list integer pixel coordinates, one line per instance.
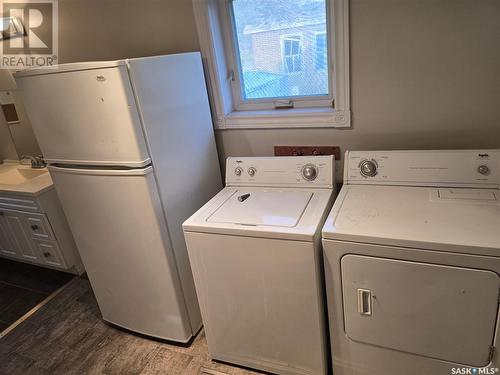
(39, 228)
(50, 253)
(18, 227)
(6, 244)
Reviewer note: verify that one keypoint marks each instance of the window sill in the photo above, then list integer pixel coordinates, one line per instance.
(286, 118)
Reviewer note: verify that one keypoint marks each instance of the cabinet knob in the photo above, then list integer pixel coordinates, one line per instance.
(34, 227)
(46, 254)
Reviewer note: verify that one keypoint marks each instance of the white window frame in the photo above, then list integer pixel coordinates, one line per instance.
(215, 31)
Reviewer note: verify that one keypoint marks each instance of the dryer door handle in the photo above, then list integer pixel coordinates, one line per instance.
(364, 302)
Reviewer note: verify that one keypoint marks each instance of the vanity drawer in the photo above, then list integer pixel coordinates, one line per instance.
(39, 227)
(11, 202)
(50, 253)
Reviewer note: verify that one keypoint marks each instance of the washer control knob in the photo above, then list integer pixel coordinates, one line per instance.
(238, 171)
(483, 169)
(309, 172)
(368, 168)
(252, 171)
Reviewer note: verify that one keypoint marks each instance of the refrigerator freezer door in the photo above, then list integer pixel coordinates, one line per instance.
(86, 117)
(119, 227)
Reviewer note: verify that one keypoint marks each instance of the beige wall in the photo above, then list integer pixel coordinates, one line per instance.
(22, 132)
(15, 139)
(425, 73)
(7, 148)
(116, 29)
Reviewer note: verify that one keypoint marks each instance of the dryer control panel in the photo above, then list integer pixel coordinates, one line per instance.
(286, 171)
(461, 168)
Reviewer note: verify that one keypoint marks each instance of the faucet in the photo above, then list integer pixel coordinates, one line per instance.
(37, 162)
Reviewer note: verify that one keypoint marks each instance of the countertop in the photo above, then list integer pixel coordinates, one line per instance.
(31, 187)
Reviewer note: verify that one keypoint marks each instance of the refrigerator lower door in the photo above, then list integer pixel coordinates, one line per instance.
(119, 227)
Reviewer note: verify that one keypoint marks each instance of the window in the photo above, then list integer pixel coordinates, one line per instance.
(274, 49)
(292, 54)
(321, 56)
(265, 56)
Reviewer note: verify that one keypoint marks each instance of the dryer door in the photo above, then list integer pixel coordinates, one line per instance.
(442, 312)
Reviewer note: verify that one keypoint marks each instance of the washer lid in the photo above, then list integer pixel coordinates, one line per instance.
(278, 208)
(274, 213)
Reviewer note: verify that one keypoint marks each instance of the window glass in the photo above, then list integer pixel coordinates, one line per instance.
(321, 57)
(281, 48)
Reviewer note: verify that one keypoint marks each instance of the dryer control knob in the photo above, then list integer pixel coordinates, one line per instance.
(238, 171)
(252, 171)
(309, 172)
(483, 169)
(368, 168)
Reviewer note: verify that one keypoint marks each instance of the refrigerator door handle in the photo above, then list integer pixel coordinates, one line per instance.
(102, 171)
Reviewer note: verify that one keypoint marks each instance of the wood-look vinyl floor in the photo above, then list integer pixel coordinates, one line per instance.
(23, 286)
(67, 336)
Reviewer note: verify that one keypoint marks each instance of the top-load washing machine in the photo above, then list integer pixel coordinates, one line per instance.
(412, 263)
(255, 252)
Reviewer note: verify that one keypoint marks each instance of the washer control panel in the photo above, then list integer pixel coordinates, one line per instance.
(484, 169)
(453, 167)
(310, 172)
(368, 168)
(315, 171)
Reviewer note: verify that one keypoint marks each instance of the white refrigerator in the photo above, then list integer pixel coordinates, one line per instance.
(131, 151)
